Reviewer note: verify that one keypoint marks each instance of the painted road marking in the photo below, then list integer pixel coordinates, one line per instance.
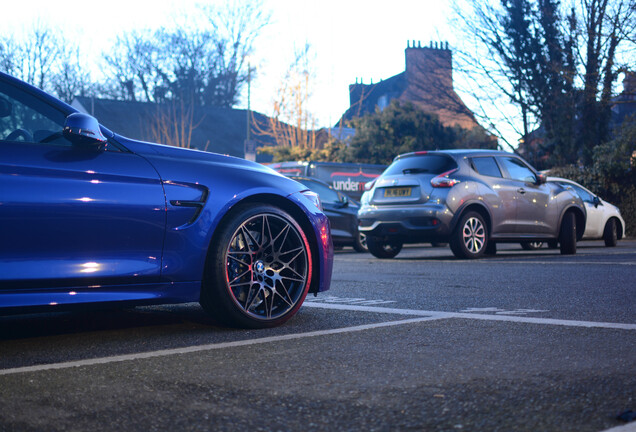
(422, 315)
(349, 300)
(208, 347)
(631, 427)
(474, 316)
(498, 311)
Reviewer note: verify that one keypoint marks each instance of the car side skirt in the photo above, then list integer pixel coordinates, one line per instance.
(26, 301)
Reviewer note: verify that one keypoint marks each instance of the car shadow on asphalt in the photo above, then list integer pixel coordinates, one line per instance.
(93, 320)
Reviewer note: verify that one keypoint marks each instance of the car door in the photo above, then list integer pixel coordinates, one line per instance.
(534, 213)
(499, 195)
(72, 215)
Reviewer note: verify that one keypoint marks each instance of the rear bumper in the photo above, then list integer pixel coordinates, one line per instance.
(409, 224)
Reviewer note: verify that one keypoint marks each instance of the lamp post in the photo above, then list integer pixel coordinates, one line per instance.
(249, 148)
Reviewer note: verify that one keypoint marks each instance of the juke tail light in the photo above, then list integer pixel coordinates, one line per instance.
(444, 181)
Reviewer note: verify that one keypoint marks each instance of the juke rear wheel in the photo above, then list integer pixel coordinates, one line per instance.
(469, 240)
(258, 269)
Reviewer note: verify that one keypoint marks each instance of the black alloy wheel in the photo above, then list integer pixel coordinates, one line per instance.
(259, 269)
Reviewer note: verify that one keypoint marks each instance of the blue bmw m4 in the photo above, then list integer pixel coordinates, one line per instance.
(90, 217)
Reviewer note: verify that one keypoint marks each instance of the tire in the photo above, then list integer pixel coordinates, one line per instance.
(470, 237)
(610, 233)
(567, 234)
(258, 269)
(531, 245)
(381, 248)
(360, 243)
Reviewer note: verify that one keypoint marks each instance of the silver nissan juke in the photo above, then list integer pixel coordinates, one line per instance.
(471, 199)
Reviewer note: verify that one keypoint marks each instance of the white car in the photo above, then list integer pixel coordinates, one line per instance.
(604, 220)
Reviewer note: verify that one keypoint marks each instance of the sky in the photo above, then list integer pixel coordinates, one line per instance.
(351, 40)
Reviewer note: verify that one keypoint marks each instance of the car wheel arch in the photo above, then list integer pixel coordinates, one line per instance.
(620, 229)
(580, 218)
(480, 208)
(284, 204)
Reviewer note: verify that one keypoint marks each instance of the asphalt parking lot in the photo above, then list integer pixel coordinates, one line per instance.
(524, 341)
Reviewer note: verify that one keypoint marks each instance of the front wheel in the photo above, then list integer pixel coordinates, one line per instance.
(470, 238)
(381, 248)
(610, 233)
(258, 269)
(567, 234)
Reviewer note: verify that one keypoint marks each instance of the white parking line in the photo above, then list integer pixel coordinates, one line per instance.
(586, 263)
(422, 314)
(474, 316)
(630, 427)
(208, 347)
(503, 261)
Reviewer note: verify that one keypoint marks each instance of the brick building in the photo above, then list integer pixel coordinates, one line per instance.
(427, 82)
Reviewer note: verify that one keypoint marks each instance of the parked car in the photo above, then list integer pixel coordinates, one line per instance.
(342, 212)
(472, 199)
(348, 178)
(91, 217)
(604, 220)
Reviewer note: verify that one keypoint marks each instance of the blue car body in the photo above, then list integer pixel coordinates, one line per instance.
(132, 223)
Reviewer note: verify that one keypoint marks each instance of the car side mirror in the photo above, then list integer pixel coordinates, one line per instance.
(541, 179)
(344, 200)
(83, 129)
(597, 201)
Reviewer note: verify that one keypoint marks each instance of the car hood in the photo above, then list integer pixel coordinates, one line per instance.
(233, 175)
(179, 153)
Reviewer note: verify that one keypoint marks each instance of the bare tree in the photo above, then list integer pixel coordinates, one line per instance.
(606, 26)
(133, 64)
(173, 123)
(291, 123)
(71, 78)
(532, 63)
(236, 26)
(44, 58)
(204, 63)
(34, 58)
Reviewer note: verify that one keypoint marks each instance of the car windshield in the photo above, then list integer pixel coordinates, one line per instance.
(429, 164)
(326, 194)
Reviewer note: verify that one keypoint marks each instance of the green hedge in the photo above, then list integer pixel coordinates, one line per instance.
(612, 175)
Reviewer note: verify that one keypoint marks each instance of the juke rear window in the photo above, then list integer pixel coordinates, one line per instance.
(424, 164)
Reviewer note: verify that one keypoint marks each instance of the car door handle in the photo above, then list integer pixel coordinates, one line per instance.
(521, 191)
